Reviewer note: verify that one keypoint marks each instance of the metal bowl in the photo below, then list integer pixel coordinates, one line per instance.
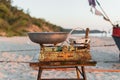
(47, 37)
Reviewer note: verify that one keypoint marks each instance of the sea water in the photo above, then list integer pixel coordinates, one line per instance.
(94, 34)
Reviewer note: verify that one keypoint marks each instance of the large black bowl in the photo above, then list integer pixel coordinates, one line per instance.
(47, 37)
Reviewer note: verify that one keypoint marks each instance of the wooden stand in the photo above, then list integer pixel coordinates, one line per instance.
(66, 62)
(78, 65)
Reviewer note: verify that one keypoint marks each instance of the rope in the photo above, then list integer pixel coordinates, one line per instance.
(110, 45)
(35, 62)
(39, 49)
(20, 50)
(15, 62)
(102, 70)
(105, 15)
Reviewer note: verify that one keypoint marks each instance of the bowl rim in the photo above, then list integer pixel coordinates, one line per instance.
(48, 32)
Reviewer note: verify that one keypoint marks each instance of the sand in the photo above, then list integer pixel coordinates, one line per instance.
(20, 49)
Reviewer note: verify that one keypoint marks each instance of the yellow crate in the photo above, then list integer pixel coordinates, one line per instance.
(83, 54)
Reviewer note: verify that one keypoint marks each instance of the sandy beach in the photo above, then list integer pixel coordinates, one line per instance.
(17, 52)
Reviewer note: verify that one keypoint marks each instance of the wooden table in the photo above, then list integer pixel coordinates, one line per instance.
(78, 65)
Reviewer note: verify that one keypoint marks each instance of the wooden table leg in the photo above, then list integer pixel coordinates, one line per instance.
(39, 73)
(83, 71)
(77, 71)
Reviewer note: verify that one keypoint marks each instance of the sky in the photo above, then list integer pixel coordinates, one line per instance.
(71, 13)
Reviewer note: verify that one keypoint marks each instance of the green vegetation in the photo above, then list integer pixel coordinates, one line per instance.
(14, 22)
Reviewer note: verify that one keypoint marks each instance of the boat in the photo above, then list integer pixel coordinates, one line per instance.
(116, 35)
(116, 27)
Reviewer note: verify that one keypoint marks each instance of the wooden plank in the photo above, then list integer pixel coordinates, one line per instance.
(57, 67)
(61, 79)
(63, 63)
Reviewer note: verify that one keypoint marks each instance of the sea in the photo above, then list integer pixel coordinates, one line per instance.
(95, 34)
